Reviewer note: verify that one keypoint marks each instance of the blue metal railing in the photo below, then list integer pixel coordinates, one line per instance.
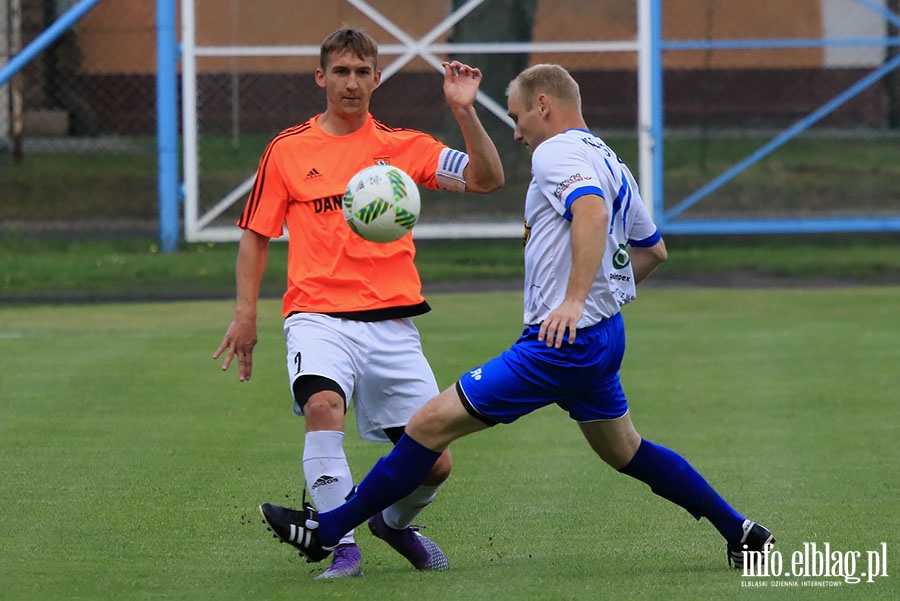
(167, 124)
(47, 37)
(667, 219)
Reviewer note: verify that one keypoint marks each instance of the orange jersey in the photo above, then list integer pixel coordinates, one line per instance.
(300, 184)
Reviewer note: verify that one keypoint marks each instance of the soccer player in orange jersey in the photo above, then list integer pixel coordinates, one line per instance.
(349, 302)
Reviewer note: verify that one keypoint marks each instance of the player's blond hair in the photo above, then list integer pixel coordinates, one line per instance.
(552, 80)
(349, 39)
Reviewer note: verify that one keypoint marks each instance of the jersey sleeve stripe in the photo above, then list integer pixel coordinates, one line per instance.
(259, 183)
(648, 241)
(575, 195)
(381, 126)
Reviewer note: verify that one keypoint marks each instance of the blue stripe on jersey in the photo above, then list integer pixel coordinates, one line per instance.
(617, 201)
(617, 204)
(583, 191)
(628, 198)
(646, 242)
(625, 194)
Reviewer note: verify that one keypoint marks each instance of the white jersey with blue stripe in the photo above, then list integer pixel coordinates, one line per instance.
(564, 168)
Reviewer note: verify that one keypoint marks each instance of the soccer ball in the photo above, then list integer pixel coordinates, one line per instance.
(381, 203)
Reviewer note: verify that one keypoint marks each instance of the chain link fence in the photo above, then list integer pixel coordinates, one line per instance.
(77, 145)
(242, 101)
(740, 74)
(83, 164)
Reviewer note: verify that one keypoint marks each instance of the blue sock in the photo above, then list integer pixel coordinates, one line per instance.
(670, 476)
(391, 478)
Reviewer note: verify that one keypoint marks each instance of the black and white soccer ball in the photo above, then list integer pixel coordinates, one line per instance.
(381, 203)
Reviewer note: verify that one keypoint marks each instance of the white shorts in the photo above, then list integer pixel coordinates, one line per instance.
(379, 365)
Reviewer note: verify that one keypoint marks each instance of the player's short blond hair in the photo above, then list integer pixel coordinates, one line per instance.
(349, 39)
(552, 80)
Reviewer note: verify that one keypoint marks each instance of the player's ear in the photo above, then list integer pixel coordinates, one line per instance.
(377, 78)
(320, 78)
(543, 104)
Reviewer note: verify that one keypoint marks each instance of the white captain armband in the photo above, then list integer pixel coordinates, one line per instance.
(450, 170)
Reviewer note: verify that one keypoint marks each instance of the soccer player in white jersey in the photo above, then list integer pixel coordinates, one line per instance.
(589, 242)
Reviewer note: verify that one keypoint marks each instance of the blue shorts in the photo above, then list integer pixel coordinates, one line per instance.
(582, 378)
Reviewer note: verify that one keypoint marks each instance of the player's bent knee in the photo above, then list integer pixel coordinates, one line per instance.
(423, 424)
(616, 458)
(615, 442)
(621, 453)
(324, 411)
(441, 470)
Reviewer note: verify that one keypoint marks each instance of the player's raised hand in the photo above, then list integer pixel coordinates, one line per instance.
(461, 84)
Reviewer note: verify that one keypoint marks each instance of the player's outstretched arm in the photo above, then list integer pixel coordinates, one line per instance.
(240, 338)
(484, 173)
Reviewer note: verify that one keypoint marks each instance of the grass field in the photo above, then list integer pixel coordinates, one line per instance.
(807, 176)
(134, 270)
(131, 467)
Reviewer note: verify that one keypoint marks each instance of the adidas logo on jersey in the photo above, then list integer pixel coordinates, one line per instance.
(313, 174)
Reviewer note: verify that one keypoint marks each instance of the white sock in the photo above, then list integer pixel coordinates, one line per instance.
(402, 513)
(327, 471)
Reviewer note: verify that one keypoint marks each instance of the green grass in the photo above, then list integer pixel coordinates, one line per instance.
(131, 466)
(72, 186)
(52, 271)
(807, 176)
(137, 270)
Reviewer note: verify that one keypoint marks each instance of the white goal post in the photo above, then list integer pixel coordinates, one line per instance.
(199, 224)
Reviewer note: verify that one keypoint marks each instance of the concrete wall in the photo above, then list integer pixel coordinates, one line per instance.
(118, 35)
(109, 62)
